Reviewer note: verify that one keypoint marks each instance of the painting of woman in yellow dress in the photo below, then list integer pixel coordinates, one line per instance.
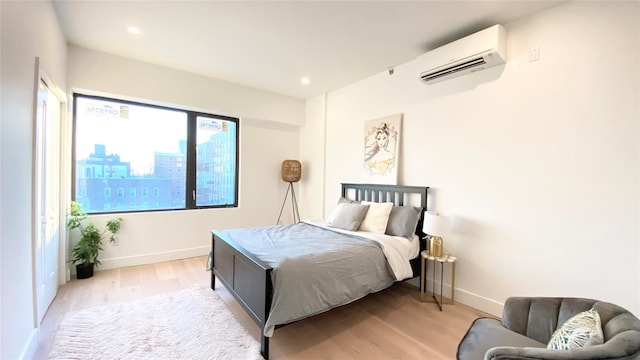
(380, 149)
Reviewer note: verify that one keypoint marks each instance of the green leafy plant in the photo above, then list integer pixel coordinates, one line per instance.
(87, 249)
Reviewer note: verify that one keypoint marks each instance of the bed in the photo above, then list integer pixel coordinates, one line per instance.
(285, 273)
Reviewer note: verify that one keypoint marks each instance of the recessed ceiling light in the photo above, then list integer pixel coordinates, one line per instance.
(134, 30)
(305, 81)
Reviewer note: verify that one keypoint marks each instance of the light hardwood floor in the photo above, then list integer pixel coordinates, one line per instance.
(391, 324)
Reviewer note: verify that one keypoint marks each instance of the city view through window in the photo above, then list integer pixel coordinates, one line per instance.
(135, 157)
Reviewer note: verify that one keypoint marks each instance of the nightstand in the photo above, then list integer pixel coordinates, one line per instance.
(445, 259)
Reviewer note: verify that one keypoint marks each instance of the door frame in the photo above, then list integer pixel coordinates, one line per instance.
(41, 75)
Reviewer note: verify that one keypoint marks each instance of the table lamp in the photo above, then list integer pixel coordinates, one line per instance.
(436, 227)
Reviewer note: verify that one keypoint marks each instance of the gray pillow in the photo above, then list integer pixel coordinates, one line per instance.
(348, 216)
(347, 201)
(403, 221)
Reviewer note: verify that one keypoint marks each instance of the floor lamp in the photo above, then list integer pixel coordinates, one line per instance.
(291, 172)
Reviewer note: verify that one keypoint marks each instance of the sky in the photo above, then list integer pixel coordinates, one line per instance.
(133, 131)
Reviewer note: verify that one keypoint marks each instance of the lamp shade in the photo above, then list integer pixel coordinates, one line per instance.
(435, 225)
(291, 170)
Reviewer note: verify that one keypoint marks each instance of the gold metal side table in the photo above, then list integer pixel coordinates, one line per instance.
(423, 278)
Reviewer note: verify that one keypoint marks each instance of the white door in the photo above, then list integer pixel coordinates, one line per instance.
(46, 196)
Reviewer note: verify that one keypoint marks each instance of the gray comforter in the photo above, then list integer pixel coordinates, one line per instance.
(314, 269)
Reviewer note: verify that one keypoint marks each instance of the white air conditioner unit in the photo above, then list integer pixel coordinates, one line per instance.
(478, 51)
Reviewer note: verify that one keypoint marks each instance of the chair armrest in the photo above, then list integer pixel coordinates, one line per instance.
(531, 353)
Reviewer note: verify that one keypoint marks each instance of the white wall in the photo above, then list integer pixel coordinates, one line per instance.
(536, 162)
(28, 29)
(312, 151)
(269, 134)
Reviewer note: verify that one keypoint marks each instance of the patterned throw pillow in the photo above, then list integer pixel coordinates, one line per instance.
(581, 330)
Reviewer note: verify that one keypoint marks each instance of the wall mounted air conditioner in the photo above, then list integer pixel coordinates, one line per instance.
(478, 51)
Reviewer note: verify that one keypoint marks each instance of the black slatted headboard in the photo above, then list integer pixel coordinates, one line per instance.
(400, 195)
(385, 193)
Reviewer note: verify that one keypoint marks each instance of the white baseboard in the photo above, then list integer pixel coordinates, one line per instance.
(468, 298)
(30, 347)
(479, 302)
(114, 263)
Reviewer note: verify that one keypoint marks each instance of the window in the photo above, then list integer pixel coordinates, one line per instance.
(187, 159)
(213, 138)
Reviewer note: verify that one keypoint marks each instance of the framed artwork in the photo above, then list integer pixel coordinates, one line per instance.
(381, 145)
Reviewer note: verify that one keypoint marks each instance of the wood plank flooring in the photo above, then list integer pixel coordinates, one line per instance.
(391, 324)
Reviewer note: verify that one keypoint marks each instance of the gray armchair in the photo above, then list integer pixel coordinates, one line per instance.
(528, 323)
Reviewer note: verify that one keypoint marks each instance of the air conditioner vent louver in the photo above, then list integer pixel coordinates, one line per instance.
(453, 69)
(478, 51)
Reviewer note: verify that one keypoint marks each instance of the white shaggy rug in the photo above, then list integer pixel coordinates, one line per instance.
(190, 324)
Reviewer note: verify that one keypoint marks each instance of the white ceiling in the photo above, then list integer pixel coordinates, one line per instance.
(271, 45)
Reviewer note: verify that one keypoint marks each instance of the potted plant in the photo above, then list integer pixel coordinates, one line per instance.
(85, 252)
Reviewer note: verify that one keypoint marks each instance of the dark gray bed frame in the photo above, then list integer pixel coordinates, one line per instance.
(248, 278)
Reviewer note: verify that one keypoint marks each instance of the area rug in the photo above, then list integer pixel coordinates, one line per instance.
(190, 324)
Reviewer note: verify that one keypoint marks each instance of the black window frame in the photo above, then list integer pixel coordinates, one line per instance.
(191, 154)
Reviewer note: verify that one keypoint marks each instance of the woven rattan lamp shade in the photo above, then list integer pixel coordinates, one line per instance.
(291, 170)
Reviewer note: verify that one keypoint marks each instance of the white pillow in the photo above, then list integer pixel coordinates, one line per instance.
(377, 217)
(583, 329)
